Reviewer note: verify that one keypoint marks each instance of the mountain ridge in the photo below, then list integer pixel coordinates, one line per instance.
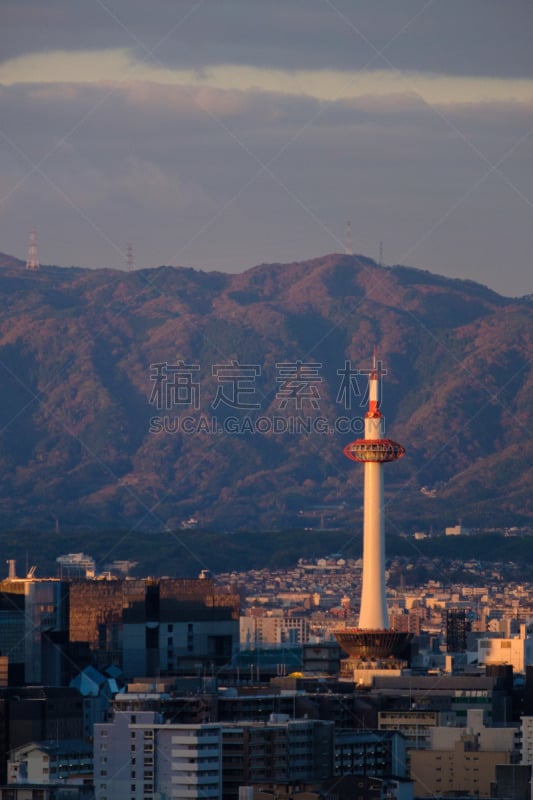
(76, 347)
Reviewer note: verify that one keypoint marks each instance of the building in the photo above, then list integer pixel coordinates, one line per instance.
(463, 759)
(512, 781)
(149, 626)
(34, 629)
(36, 714)
(274, 628)
(46, 791)
(465, 768)
(53, 761)
(516, 650)
(76, 565)
(526, 729)
(455, 630)
(281, 752)
(172, 630)
(381, 754)
(138, 757)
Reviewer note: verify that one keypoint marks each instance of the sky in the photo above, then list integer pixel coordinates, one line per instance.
(220, 134)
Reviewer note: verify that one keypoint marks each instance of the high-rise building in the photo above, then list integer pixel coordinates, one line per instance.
(34, 629)
(456, 628)
(137, 756)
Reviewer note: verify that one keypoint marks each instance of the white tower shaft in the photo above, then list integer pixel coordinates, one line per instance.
(374, 614)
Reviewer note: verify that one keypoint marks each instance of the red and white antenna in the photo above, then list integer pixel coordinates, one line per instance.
(33, 259)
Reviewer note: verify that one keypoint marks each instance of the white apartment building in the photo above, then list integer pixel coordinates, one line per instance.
(515, 650)
(65, 761)
(137, 757)
(274, 629)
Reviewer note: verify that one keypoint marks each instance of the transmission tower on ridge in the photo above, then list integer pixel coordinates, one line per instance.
(129, 256)
(33, 259)
(348, 246)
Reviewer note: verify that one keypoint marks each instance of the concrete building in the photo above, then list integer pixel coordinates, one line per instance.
(381, 754)
(34, 628)
(138, 757)
(516, 650)
(275, 628)
(282, 752)
(465, 768)
(154, 626)
(512, 781)
(35, 714)
(526, 730)
(451, 693)
(414, 725)
(55, 761)
(46, 791)
(463, 759)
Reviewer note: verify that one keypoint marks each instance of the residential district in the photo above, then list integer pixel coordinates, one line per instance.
(234, 687)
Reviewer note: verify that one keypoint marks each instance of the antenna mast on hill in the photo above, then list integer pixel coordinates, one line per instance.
(129, 256)
(380, 261)
(348, 246)
(33, 259)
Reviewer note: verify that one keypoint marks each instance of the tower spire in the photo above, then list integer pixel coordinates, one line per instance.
(33, 259)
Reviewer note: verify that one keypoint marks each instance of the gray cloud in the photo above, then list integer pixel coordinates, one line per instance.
(475, 38)
(152, 167)
(225, 179)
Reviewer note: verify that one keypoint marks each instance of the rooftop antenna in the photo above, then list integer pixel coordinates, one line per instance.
(129, 256)
(348, 246)
(33, 260)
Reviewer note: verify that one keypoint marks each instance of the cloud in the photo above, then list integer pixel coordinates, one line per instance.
(263, 133)
(119, 68)
(475, 38)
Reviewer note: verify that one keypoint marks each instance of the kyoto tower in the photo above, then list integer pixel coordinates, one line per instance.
(373, 638)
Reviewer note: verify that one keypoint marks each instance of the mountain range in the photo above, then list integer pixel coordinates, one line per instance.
(165, 398)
